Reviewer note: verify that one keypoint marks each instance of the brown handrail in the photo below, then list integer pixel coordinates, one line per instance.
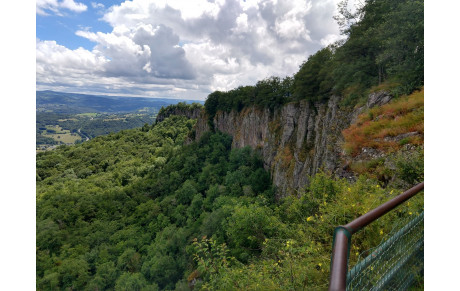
(342, 237)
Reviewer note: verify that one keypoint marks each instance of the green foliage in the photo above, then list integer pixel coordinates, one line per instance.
(40, 139)
(119, 212)
(73, 273)
(211, 257)
(181, 106)
(410, 166)
(106, 276)
(269, 93)
(129, 260)
(135, 282)
(386, 44)
(249, 226)
(296, 256)
(312, 81)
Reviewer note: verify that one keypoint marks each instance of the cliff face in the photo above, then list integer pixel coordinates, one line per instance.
(295, 141)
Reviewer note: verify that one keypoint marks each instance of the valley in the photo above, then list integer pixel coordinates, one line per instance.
(67, 118)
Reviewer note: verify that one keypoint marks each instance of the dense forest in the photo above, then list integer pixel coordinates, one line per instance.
(151, 209)
(137, 198)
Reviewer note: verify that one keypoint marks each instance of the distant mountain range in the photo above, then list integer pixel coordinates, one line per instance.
(60, 102)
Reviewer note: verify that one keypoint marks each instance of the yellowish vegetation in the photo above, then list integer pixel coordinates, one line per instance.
(403, 115)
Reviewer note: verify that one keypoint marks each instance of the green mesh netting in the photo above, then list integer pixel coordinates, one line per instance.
(396, 264)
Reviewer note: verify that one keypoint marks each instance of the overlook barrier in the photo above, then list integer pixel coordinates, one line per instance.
(392, 265)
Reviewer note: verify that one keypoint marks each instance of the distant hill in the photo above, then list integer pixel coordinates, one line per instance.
(60, 102)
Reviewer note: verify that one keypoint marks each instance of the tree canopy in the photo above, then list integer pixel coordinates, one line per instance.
(120, 211)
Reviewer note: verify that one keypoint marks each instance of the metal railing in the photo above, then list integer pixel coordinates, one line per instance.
(343, 234)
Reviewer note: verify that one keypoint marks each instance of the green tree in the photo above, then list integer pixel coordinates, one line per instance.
(248, 227)
(129, 261)
(73, 273)
(133, 281)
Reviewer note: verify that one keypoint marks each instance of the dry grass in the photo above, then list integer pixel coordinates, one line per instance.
(400, 116)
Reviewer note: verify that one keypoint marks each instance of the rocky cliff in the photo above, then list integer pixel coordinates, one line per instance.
(295, 141)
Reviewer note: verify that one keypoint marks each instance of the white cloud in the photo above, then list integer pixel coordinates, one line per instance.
(330, 39)
(143, 50)
(96, 5)
(53, 59)
(45, 6)
(71, 5)
(172, 47)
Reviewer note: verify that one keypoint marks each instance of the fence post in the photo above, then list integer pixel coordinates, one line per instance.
(339, 260)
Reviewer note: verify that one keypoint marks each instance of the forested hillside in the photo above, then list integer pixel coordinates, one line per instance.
(123, 209)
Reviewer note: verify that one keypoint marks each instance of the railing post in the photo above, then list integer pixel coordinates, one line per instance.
(339, 260)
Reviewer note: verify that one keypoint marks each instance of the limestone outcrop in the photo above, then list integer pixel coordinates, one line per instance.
(295, 141)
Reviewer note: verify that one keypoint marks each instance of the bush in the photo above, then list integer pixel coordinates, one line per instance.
(410, 166)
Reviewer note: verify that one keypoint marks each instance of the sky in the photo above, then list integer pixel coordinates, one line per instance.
(175, 49)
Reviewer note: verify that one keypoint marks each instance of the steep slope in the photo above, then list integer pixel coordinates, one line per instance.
(296, 140)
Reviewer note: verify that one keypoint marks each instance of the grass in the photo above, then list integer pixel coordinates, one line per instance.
(114, 119)
(62, 135)
(400, 116)
(56, 128)
(89, 114)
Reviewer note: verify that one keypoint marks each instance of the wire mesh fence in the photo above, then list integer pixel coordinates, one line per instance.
(396, 263)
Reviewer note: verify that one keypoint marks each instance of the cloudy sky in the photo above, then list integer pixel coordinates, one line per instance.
(176, 49)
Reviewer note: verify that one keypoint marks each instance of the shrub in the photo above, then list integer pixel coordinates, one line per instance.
(410, 166)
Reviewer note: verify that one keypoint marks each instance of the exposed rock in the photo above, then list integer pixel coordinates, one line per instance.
(401, 136)
(378, 99)
(296, 140)
(369, 154)
(345, 172)
(201, 125)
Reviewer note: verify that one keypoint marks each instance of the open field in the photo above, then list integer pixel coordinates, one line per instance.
(89, 114)
(61, 135)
